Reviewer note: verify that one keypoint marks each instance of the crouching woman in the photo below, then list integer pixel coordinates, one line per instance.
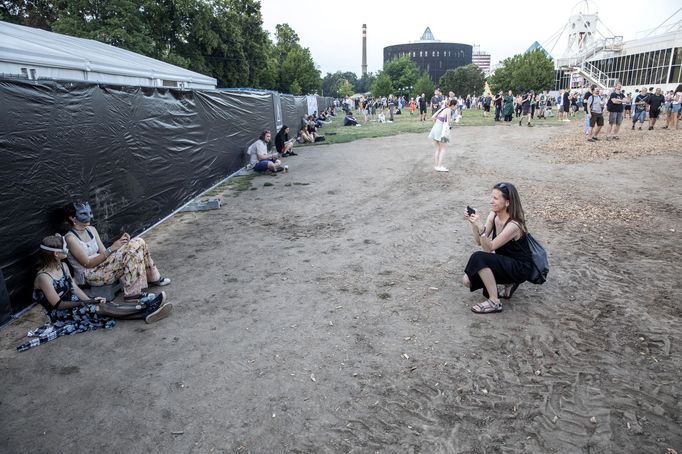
(505, 257)
(66, 304)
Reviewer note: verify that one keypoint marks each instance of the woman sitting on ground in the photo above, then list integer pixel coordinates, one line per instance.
(304, 136)
(506, 257)
(66, 303)
(283, 145)
(95, 265)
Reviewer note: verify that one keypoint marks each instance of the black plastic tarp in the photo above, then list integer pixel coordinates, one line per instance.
(136, 154)
(290, 115)
(301, 107)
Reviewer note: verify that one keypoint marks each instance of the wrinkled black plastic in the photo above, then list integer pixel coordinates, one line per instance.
(136, 154)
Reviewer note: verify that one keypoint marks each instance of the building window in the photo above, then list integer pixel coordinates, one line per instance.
(420, 53)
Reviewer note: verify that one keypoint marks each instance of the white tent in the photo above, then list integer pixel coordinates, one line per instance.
(39, 54)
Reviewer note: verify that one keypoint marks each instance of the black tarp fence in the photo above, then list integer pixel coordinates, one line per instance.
(136, 154)
(290, 115)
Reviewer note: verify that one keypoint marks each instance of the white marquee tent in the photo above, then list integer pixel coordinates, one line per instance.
(39, 54)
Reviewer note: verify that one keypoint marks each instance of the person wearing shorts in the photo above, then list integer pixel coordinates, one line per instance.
(655, 101)
(639, 108)
(615, 108)
(595, 107)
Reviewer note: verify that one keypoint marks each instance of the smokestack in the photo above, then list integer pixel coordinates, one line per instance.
(364, 49)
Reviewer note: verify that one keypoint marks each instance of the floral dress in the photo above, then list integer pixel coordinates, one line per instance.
(64, 321)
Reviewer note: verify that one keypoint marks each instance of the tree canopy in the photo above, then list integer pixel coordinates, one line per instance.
(333, 82)
(529, 71)
(424, 85)
(403, 73)
(221, 38)
(465, 80)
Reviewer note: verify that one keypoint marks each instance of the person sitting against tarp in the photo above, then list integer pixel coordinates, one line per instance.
(350, 120)
(127, 260)
(304, 136)
(260, 159)
(283, 144)
(69, 309)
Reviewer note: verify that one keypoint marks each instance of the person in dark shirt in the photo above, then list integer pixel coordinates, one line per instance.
(349, 120)
(566, 105)
(615, 108)
(422, 107)
(498, 105)
(655, 102)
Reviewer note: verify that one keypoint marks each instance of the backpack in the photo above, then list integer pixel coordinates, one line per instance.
(540, 261)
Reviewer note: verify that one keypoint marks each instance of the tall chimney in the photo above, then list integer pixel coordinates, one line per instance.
(364, 49)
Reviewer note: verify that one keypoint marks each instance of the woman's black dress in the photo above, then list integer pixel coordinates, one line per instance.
(512, 263)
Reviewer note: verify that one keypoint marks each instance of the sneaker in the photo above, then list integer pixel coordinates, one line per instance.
(640, 128)
(291, 153)
(442, 169)
(591, 140)
(633, 127)
(159, 314)
(651, 128)
(163, 281)
(595, 138)
(140, 297)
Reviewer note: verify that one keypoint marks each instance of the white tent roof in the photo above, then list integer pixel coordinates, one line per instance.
(62, 57)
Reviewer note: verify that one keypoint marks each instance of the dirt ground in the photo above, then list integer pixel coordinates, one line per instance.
(322, 312)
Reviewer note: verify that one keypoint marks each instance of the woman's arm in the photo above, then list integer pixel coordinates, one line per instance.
(44, 283)
(478, 229)
(508, 233)
(81, 255)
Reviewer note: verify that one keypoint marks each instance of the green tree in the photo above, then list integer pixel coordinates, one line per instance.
(403, 73)
(294, 62)
(332, 82)
(365, 83)
(295, 88)
(424, 85)
(299, 67)
(346, 89)
(530, 71)
(383, 85)
(465, 80)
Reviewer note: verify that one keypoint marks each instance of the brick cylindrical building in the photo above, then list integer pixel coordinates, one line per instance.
(431, 56)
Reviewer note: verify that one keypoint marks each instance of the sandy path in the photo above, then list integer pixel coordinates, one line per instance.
(324, 314)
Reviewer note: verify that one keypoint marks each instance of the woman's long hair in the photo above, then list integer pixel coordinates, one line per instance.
(46, 259)
(514, 209)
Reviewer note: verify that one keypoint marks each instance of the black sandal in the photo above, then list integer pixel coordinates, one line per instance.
(508, 293)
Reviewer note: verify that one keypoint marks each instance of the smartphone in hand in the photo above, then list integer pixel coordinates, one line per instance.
(470, 210)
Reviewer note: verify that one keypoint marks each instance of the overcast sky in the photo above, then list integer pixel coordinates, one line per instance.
(332, 30)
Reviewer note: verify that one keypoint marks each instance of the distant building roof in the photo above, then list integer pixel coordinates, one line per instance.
(427, 35)
(39, 54)
(536, 45)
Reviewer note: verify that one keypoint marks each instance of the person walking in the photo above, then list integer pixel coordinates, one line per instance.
(440, 133)
(508, 106)
(595, 107)
(615, 108)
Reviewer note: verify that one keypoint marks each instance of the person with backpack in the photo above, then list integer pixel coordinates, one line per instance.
(595, 109)
(506, 257)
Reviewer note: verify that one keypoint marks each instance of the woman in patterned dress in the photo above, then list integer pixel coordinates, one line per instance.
(66, 304)
(126, 259)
